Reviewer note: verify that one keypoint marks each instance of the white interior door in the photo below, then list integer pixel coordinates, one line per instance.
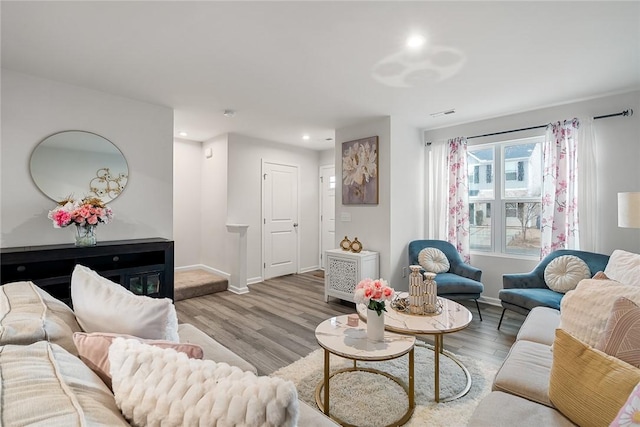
(280, 223)
(327, 210)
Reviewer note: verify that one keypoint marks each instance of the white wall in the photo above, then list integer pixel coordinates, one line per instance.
(371, 224)
(33, 108)
(617, 160)
(187, 188)
(216, 244)
(407, 197)
(245, 196)
(328, 157)
(398, 218)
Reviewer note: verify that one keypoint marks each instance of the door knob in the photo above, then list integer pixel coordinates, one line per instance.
(295, 224)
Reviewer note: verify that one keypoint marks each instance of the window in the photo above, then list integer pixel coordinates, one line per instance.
(332, 182)
(514, 227)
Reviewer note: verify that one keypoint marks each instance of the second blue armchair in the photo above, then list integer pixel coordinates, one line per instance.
(461, 282)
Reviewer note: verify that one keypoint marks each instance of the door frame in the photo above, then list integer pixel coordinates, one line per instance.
(320, 196)
(263, 258)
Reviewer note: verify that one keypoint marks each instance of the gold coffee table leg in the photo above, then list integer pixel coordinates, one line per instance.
(436, 358)
(439, 349)
(326, 382)
(412, 402)
(408, 390)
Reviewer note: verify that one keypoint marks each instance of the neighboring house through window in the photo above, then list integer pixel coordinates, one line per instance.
(514, 228)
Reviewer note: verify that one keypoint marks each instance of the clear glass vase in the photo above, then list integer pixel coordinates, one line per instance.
(86, 235)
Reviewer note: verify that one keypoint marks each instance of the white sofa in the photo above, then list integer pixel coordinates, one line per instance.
(42, 380)
(554, 374)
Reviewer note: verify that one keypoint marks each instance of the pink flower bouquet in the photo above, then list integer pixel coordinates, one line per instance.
(374, 293)
(88, 211)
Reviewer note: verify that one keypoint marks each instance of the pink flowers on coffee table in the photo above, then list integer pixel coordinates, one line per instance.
(373, 293)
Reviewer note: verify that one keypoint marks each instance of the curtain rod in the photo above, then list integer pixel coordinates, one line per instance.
(624, 113)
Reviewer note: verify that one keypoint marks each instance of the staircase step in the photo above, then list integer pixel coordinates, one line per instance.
(195, 283)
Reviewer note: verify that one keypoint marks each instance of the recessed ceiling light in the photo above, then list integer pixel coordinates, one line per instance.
(229, 113)
(415, 41)
(305, 137)
(183, 133)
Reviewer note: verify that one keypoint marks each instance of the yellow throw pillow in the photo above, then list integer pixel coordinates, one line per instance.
(586, 385)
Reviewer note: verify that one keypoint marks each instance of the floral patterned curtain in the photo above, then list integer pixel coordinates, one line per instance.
(559, 221)
(458, 203)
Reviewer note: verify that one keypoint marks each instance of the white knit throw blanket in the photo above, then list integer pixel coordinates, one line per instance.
(584, 311)
(155, 386)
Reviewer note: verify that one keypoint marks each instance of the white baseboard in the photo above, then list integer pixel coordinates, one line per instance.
(234, 289)
(309, 269)
(238, 290)
(254, 280)
(206, 268)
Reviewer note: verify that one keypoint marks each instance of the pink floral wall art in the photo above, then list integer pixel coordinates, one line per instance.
(360, 171)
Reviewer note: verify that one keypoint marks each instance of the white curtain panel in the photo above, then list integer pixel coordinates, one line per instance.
(587, 187)
(560, 188)
(438, 190)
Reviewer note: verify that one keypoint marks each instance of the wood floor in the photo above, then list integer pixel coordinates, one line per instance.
(273, 325)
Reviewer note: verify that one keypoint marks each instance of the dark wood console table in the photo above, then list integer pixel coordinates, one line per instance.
(144, 266)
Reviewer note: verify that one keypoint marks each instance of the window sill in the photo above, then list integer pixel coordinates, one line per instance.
(503, 255)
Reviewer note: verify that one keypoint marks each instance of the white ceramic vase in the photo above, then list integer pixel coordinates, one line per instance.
(375, 325)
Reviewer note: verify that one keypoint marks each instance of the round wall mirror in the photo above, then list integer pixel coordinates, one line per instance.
(78, 164)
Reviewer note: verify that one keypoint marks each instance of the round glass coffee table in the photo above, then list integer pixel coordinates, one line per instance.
(453, 317)
(350, 342)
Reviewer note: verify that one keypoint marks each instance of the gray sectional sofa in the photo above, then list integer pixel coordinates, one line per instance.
(43, 381)
(520, 392)
(552, 377)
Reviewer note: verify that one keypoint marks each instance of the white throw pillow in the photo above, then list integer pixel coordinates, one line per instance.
(564, 273)
(101, 305)
(624, 267)
(433, 260)
(155, 386)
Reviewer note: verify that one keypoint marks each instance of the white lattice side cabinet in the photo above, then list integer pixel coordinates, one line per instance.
(345, 269)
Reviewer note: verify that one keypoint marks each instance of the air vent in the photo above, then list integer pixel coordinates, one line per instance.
(443, 113)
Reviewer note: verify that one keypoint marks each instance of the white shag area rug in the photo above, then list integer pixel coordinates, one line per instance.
(370, 400)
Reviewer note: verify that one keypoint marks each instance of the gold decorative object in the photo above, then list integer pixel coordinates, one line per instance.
(345, 244)
(105, 184)
(417, 290)
(356, 246)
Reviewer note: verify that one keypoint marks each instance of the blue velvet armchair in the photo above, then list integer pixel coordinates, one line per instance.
(461, 282)
(522, 292)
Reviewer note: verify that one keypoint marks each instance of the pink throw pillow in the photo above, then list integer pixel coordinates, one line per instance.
(621, 337)
(600, 276)
(93, 350)
(629, 414)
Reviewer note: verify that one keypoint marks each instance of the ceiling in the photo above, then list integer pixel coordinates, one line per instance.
(294, 68)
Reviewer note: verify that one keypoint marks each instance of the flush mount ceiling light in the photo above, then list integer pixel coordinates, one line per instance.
(443, 113)
(229, 113)
(415, 41)
(305, 137)
(183, 133)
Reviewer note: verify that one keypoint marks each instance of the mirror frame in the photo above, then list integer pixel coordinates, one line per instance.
(103, 185)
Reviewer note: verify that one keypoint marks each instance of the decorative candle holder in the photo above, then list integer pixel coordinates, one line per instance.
(416, 291)
(431, 293)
